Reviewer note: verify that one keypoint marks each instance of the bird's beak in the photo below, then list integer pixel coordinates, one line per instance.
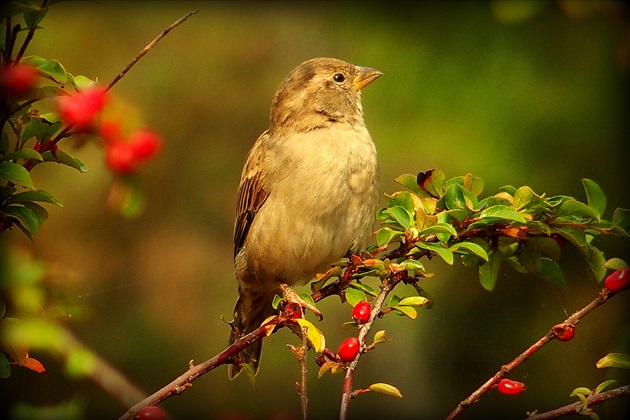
(366, 76)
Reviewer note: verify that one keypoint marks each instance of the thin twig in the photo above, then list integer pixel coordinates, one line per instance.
(505, 369)
(577, 407)
(29, 37)
(347, 393)
(304, 371)
(149, 47)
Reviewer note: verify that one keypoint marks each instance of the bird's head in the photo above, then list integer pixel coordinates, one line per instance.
(320, 92)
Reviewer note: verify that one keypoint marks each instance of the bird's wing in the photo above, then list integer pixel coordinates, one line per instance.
(251, 193)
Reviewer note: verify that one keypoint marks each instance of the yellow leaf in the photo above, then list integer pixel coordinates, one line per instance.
(407, 310)
(313, 334)
(385, 389)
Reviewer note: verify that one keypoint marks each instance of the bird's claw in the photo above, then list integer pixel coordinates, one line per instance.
(293, 297)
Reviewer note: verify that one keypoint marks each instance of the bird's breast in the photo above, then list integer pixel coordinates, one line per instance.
(323, 194)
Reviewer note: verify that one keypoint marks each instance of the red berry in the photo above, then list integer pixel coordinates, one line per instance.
(18, 79)
(121, 158)
(145, 144)
(617, 280)
(151, 413)
(510, 387)
(563, 332)
(111, 131)
(81, 109)
(349, 349)
(361, 312)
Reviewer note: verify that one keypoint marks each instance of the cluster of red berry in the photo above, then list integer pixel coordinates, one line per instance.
(125, 155)
(122, 155)
(349, 349)
(80, 112)
(17, 80)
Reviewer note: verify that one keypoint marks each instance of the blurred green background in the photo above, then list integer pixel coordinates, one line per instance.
(520, 93)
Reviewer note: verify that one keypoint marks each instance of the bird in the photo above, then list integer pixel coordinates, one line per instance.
(308, 191)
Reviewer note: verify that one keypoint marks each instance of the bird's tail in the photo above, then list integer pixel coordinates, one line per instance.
(249, 313)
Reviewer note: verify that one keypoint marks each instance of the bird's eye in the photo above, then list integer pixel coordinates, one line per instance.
(339, 78)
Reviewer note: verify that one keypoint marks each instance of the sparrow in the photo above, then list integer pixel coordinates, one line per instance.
(308, 191)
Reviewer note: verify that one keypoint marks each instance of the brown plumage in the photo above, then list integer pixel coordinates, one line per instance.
(308, 190)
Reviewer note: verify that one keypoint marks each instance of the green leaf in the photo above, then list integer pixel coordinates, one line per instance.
(604, 385)
(508, 189)
(41, 129)
(547, 246)
(580, 391)
(525, 198)
(364, 287)
(379, 337)
(454, 197)
(5, 367)
(40, 212)
(596, 262)
(576, 210)
(439, 228)
(410, 265)
(404, 200)
(385, 389)
(313, 334)
(439, 248)
(411, 182)
(501, 212)
(21, 154)
(393, 300)
(12, 8)
(595, 197)
(615, 264)
(39, 195)
(386, 235)
(50, 117)
(469, 182)
(64, 159)
(276, 301)
(34, 17)
(489, 272)
(16, 174)
(401, 215)
(52, 68)
(549, 270)
(470, 248)
(249, 370)
(25, 215)
(354, 296)
(614, 360)
(621, 218)
(80, 81)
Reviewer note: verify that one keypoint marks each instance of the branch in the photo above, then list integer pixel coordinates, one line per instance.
(577, 407)
(505, 369)
(149, 47)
